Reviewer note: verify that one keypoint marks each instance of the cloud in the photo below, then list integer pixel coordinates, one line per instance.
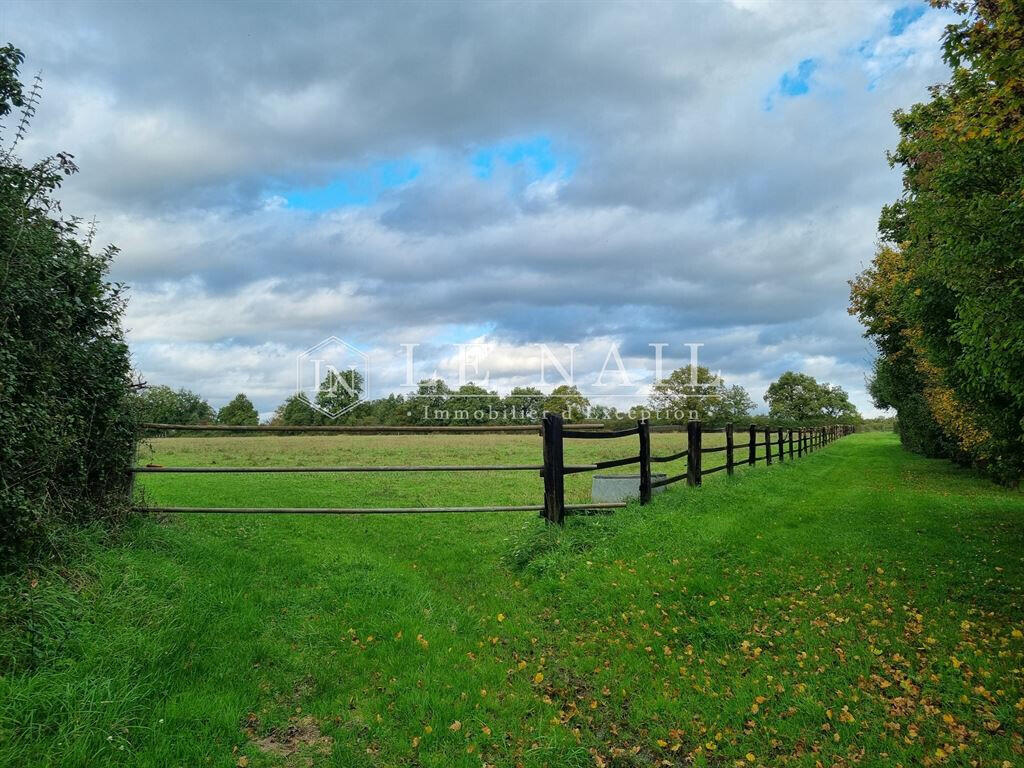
(518, 172)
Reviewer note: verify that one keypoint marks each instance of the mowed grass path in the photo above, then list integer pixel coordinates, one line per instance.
(859, 606)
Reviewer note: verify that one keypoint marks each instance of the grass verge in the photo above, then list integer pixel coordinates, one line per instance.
(862, 605)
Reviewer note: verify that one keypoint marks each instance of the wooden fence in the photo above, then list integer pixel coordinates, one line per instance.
(777, 440)
(553, 469)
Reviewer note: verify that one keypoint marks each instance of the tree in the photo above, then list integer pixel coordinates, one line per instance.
(736, 405)
(698, 393)
(568, 401)
(524, 404)
(296, 411)
(472, 404)
(339, 391)
(944, 296)
(430, 403)
(798, 399)
(164, 405)
(66, 427)
(239, 412)
(794, 398)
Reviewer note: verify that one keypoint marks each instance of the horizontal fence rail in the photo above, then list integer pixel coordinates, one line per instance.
(348, 429)
(427, 468)
(373, 510)
(777, 442)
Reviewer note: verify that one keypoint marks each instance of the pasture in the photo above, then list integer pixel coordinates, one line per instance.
(860, 606)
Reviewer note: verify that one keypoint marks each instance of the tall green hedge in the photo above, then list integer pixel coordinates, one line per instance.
(66, 436)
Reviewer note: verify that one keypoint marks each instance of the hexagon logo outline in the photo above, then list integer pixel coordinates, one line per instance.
(306, 357)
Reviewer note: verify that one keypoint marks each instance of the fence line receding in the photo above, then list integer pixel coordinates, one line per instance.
(776, 441)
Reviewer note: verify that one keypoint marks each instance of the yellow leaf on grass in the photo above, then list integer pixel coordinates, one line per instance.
(456, 726)
(501, 617)
(750, 757)
(539, 677)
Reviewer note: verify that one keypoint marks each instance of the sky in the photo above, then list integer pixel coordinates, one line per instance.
(481, 179)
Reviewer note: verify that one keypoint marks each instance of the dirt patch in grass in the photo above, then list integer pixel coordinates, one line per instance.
(302, 736)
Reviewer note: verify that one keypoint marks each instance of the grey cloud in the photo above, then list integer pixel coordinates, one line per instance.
(690, 210)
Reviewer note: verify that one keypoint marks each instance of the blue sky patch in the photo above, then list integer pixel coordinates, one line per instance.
(361, 187)
(535, 155)
(798, 82)
(904, 17)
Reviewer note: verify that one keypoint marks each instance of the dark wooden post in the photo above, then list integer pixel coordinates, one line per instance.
(644, 430)
(767, 445)
(799, 442)
(782, 448)
(693, 450)
(728, 449)
(131, 470)
(791, 445)
(752, 450)
(554, 463)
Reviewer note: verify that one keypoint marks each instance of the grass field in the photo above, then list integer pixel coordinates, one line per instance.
(860, 606)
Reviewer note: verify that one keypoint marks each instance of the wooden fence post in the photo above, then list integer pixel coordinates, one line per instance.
(693, 450)
(554, 463)
(782, 448)
(752, 450)
(791, 445)
(728, 449)
(767, 445)
(644, 431)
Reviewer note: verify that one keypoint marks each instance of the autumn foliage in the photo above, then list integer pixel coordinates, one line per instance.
(944, 296)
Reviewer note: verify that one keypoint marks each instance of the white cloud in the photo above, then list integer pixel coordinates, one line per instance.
(686, 211)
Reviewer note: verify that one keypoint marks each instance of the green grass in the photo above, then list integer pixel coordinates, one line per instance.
(861, 605)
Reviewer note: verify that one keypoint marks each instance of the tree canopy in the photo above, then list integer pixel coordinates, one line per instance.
(568, 401)
(163, 405)
(944, 296)
(339, 391)
(799, 399)
(698, 392)
(239, 412)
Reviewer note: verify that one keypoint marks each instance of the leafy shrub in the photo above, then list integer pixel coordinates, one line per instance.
(66, 436)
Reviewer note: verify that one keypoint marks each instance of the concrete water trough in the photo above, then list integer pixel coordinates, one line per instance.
(620, 487)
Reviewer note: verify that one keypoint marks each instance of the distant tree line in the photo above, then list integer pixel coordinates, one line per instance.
(943, 298)
(794, 399)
